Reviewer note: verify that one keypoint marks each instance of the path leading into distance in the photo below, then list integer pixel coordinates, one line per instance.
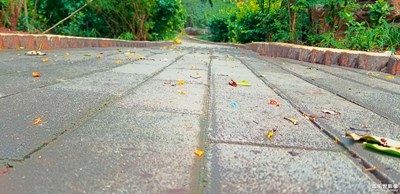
(117, 121)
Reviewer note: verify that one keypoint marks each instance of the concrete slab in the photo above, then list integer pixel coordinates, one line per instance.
(118, 151)
(138, 69)
(14, 62)
(379, 101)
(107, 82)
(248, 169)
(184, 74)
(57, 108)
(155, 95)
(149, 65)
(12, 84)
(365, 79)
(58, 69)
(195, 61)
(312, 100)
(250, 122)
(382, 74)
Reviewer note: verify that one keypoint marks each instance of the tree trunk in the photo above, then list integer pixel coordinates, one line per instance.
(292, 18)
(15, 10)
(26, 15)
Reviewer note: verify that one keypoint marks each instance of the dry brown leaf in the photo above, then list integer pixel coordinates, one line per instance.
(36, 74)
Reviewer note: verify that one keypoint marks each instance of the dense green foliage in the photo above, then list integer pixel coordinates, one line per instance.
(199, 12)
(124, 19)
(297, 21)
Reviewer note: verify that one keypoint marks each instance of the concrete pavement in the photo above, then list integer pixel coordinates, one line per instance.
(114, 125)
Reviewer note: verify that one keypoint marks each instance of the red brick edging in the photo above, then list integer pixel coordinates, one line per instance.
(356, 59)
(49, 42)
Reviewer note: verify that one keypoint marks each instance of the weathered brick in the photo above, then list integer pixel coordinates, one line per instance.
(304, 54)
(372, 61)
(1, 42)
(292, 52)
(331, 57)
(317, 56)
(393, 66)
(27, 42)
(348, 59)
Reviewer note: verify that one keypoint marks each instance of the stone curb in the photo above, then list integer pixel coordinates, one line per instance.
(383, 62)
(50, 42)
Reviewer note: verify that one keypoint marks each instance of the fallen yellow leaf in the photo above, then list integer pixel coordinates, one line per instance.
(197, 73)
(370, 74)
(294, 121)
(271, 133)
(181, 82)
(119, 61)
(130, 57)
(181, 92)
(37, 121)
(140, 57)
(192, 66)
(199, 153)
(177, 41)
(46, 60)
(66, 54)
(390, 77)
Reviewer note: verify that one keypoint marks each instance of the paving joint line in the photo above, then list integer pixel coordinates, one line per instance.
(163, 111)
(254, 144)
(214, 172)
(198, 179)
(91, 113)
(383, 178)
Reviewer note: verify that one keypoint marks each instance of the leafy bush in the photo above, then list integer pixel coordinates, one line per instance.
(249, 24)
(277, 26)
(219, 28)
(168, 17)
(126, 36)
(378, 11)
(249, 27)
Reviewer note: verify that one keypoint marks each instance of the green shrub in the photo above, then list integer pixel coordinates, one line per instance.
(248, 24)
(168, 18)
(219, 28)
(249, 27)
(378, 11)
(126, 36)
(277, 23)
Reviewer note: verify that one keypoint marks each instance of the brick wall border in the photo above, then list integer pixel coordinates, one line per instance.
(383, 62)
(50, 42)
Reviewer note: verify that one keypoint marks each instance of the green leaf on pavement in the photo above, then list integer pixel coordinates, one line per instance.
(375, 139)
(388, 150)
